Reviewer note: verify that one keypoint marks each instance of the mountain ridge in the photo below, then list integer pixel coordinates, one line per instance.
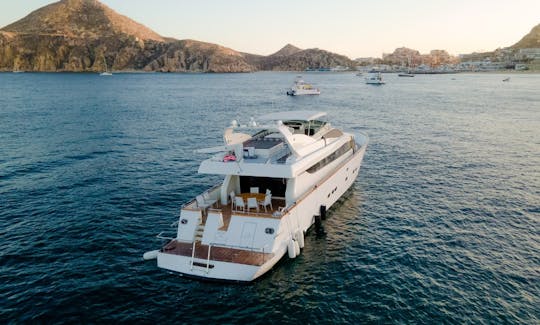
(287, 50)
(88, 36)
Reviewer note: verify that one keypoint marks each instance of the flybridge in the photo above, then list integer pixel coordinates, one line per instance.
(297, 140)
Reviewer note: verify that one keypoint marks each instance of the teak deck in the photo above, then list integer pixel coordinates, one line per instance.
(217, 253)
(227, 211)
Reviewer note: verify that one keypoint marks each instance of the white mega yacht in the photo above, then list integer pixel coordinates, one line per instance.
(300, 87)
(277, 183)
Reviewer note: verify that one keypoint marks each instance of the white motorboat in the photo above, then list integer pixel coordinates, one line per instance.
(277, 183)
(375, 78)
(300, 87)
(105, 73)
(405, 74)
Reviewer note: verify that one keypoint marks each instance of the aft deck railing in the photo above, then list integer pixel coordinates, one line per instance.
(245, 248)
(209, 191)
(193, 253)
(208, 258)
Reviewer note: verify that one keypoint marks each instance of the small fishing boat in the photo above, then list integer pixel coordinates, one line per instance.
(375, 78)
(300, 87)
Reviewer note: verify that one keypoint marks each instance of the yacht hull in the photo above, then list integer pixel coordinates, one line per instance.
(216, 270)
(299, 217)
(303, 92)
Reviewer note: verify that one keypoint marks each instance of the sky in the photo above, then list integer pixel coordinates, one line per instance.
(355, 28)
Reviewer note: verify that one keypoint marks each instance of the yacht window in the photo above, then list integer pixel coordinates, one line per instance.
(314, 127)
(333, 156)
(261, 134)
(277, 186)
(305, 127)
(297, 126)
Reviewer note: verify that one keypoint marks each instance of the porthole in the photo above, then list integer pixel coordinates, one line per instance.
(269, 231)
(183, 221)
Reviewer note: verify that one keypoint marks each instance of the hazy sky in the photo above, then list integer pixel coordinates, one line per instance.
(354, 28)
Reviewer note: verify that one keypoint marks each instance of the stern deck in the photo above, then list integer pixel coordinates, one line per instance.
(217, 253)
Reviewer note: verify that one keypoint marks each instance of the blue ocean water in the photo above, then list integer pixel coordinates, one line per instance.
(442, 225)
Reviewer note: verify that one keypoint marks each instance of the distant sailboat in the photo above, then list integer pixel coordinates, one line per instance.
(106, 72)
(17, 70)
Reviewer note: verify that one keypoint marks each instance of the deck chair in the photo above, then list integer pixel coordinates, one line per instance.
(239, 204)
(253, 190)
(201, 203)
(208, 200)
(252, 203)
(267, 201)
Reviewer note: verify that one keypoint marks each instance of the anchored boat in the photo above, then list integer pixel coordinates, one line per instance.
(277, 183)
(300, 87)
(374, 78)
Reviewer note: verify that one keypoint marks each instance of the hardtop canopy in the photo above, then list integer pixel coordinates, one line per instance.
(292, 115)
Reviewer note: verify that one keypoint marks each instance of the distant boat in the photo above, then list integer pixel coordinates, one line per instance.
(106, 72)
(339, 68)
(375, 78)
(506, 79)
(300, 87)
(323, 69)
(18, 71)
(403, 74)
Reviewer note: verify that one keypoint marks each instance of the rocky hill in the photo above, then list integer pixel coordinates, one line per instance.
(85, 35)
(191, 56)
(80, 19)
(291, 58)
(287, 50)
(531, 40)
